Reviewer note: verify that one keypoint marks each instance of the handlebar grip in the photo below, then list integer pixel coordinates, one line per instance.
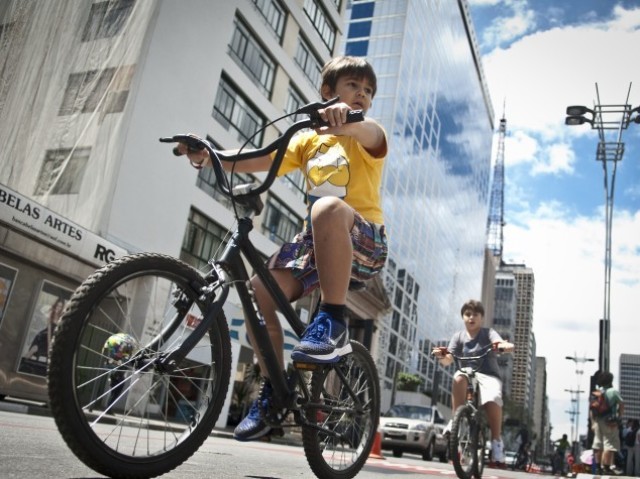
(353, 116)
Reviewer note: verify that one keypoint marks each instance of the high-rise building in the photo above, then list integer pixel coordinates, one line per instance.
(435, 106)
(540, 416)
(629, 381)
(504, 322)
(523, 339)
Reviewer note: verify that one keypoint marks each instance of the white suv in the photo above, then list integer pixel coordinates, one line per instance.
(416, 429)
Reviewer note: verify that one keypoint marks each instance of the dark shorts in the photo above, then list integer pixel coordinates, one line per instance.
(369, 254)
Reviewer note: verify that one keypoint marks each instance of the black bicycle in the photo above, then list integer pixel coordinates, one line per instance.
(523, 460)
(468, 430)
(140, 361)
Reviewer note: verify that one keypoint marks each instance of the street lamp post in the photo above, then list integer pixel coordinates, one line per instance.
(604, 118)
(579, 372)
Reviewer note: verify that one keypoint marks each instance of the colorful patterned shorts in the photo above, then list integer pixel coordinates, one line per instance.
(369, 254)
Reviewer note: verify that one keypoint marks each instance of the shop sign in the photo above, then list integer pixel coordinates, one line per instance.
(23, 214)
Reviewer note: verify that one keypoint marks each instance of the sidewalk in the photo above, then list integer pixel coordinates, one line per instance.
(23, 406)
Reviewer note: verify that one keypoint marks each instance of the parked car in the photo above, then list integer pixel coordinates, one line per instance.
(510, 458)
(415, 429)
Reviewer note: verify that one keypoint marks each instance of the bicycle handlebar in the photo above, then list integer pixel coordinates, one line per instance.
(488, 349)
(194, 143)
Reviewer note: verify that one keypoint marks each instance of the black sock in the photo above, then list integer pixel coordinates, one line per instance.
(336, 311)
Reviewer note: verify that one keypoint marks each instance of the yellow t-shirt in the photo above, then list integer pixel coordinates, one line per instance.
(337, 166)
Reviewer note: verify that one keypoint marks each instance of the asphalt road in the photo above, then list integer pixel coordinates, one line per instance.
(31, 447)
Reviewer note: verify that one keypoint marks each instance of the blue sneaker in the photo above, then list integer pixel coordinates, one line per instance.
(253, 425)
(324, 341)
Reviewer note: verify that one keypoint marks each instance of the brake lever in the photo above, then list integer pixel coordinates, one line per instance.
(311, 108)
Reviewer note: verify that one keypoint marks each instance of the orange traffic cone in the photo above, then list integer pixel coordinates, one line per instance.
(376, 449)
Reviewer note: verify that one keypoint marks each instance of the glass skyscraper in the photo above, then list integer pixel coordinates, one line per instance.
(433, 101)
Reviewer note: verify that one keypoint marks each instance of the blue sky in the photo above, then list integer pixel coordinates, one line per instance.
(540, 56)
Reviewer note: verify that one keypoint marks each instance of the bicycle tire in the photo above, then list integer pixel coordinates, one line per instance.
(156, 419)
(528, 465)
(480, 441)
(333, 408)
(461, 442)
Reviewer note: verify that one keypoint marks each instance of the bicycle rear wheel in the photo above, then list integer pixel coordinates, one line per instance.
(118, 410)
(462, 447)
(345, 404)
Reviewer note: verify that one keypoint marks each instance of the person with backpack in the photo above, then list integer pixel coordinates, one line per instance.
(632, 443)
(606, 408)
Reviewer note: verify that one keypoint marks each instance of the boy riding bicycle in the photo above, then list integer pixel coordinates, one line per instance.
(472, 341)
(343, 236)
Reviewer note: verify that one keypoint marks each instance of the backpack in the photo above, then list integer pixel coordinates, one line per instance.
(598, 404)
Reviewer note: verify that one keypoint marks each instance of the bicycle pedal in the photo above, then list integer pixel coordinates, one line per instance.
(308, 366)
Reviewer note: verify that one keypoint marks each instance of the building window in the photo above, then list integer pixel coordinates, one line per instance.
(207, 182)
(89, 91)
(321, 23)
(274, 14)
(235, 113)
(297, 183)
(280, 223)
(62, 171)
(294, 101)
(252, 58)
(362, 10)
(106, 19)
(309, 63)
(202, 240)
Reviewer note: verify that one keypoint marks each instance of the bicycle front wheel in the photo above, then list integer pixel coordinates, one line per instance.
(462, 447)
(344, 415)
(480, 439)
(121, 411)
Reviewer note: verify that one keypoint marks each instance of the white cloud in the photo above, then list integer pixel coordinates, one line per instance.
(505, 29)
(542, 73)
(522, 148)
(559, 158)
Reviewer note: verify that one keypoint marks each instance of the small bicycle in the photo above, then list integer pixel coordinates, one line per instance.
(140, 361)
(468, 430)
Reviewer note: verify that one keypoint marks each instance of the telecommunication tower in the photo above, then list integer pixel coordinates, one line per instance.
(495, 222)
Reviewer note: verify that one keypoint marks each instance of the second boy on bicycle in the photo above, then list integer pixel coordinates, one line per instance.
(472, 341)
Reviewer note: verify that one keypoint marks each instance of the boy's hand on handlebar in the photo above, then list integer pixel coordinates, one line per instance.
(190, 145)
(337, 116)
(439, 352)
(503, 346)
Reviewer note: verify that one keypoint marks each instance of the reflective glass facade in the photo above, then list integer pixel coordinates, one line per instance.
(434, 104)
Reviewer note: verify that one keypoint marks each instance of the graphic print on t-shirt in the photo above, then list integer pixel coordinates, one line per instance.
(328, 173)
